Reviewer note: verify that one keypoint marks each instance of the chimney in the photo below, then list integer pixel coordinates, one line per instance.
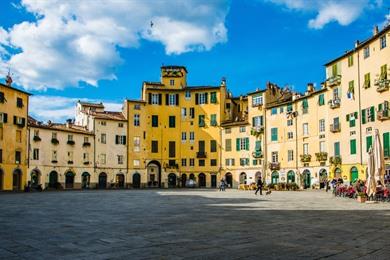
(68, 123)
(310, 87)
(357, 43)
(223, 82)
(376, 30)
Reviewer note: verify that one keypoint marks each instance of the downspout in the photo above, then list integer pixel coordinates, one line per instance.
(359, 112)
(296, 141)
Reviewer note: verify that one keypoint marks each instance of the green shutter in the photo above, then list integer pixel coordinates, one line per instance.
(274, 134)
(289, 108)
(321, 100)
(258, 145)
(355, 114)
(368, 142)
(352, 123)
(213, 97)
(237, 144)
(363, 116)
(380, 107)
(253, 121)
(352, 144)
(386, 144)
(247, 144)
(337, 149)
(372, 114)
(347, 117)
(305, 104)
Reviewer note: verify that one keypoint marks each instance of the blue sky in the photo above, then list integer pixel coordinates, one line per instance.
(62, 51)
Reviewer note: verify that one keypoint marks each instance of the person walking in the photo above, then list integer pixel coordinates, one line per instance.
(222, 185)
(259, 186)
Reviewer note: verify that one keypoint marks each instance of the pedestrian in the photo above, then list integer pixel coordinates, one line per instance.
(327, 185)
(222, 185)
(259, 186)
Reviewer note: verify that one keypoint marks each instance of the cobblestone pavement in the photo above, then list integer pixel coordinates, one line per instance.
(194, 224)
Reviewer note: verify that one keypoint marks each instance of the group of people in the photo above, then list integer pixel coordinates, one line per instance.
(223, 184)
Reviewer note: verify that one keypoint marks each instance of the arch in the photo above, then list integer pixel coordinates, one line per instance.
(154, 174)
(202, 180)
(35, 177)
(171, 180)
(337, 173)
(102, 184)
(69, 180)
(213, 180)
(17, 176)
(1, 179)
(192, 176)
(323, 178)
(306, 179)
(229, 179)
(291, 176)
(243, 178)
(120, 180)
(85, 180)
(136, 180)
(275, 177)
(183, 180)
(354, 174)
(53, 179)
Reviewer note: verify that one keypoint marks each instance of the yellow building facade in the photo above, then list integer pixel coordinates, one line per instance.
(13, 137)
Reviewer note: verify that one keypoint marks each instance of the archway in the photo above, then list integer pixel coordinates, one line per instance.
(306, 179)
(17, 180)
(229, 180)
(192, 176)
(323, 178)
(1, 179)
(102, 180)
(243, 178)
(290, 177)
(35, 178)
(154, 174)
(202, 180)
(337, 173)
(69, 180)
(172, 180)
(85, 180)
(136, 180)
(120, 180)
(213, 181)
(275, 177)
(183, 180)
(354, 174)
(53, 179)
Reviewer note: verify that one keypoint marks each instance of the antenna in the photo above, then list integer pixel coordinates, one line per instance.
(8, 79)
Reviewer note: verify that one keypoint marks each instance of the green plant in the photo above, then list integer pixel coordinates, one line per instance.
(362, 194)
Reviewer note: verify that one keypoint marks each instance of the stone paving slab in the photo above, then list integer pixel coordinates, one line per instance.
(191, 224)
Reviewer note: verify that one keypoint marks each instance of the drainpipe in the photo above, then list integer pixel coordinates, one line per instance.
(359, 112)
(296, 141)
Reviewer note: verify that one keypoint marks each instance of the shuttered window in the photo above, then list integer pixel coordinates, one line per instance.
(368, 143)
(352, 145)
(274, 134)
(386, 144)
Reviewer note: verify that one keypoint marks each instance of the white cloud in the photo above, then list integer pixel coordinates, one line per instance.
(58, 109)
(343, 12)
(77, 41)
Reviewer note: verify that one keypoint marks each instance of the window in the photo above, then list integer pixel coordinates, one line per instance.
(305, 106)
(337, 149)
(136, 143)
(188, 95)
(201, 98)
(321, 100)
(213, 146)
(53, 135)
(103, 138)
(228, 145)
(368, 143)
(18, 136)
(383, 41)
(290, 135)
(281, 110)
(335, 93)
(257, 100)
(351, 118)
(136, 119)
(155, 99)
(192, 162)
(244, 161)
(172, 99)
(103, 123)
(1, 156)
(213, 162)
(19, 102)
(368, 115)
(183, 113)
(290, 155)
(192, 137)
(258, 145)
(183, 162)
(172, 121)
(289, 108)
(35, 154)
(229, 162)
(274, 134)
(305, 148)
(192, 112)
(350, 60)
(103, 158)
(213, 97)
(3, 118)
(120, 124)
(70, 137)
(121, 139)
(172, 149)
(322, 147)
(36, 133)
(120, 159)
(274, 111)
(335, 70)
(386, 144)
(136, 163)
(172, 82)
(154, 146)
(213, 120)
(183, 137)
(242, 129)
(275, 157)
(366, 52)
(305, 127)
(242, 144)
(201, 121)
(2, 98)
(85, 157)
(228, 130)
(367, 80)
(322, 125)
(18, 157)
(290, 122)
(257, 121)
(137, 107)
(202, 162)
(54, 156)
(383, 72)
(154, 120)
(352, 146)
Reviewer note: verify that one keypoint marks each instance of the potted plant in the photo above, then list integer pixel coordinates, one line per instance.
(361, 197)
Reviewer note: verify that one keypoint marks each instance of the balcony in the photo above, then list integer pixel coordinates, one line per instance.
(70, 162)
(171, 166)
(36, 138)
(322, 156)
(70, 142)
(334, 103)
(333, 81)
(382, 85)
(335, 128)
(274, 166)
(54, 161)
(86, 163)
(201, 155)
(257, 154)
(55, 141)
(383, 114)
(335, 160)
(305, 158)
(86, 144)
(257, 131)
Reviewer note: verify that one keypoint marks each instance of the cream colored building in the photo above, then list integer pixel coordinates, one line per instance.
(60, 155)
